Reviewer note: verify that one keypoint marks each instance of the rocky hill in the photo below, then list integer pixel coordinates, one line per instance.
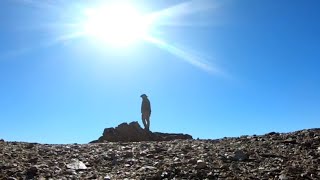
(280, 156)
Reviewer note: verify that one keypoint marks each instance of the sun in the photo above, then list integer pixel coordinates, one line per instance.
(116, 24)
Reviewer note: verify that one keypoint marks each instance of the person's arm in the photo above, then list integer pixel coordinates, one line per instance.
(142, 106)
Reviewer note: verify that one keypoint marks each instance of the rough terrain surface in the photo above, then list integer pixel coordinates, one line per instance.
(281, 156)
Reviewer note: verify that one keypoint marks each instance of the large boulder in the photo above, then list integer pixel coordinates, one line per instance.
(132, 132)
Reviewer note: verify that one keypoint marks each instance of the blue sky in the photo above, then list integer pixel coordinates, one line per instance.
(216, 69)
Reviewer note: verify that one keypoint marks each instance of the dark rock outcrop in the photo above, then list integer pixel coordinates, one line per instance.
(132, 132)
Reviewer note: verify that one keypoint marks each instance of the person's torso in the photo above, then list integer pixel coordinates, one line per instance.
(146, 105)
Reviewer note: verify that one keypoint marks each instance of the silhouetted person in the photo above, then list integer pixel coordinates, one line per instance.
(145, 111)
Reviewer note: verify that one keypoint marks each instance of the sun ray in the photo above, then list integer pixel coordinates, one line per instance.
(175, 15)
(39, 4)
(66, 37)
(122, 24)
(185, 55)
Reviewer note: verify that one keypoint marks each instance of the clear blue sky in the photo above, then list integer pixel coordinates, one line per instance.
(217, 69)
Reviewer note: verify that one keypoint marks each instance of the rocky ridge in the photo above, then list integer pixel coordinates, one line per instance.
(133, 132)
(274, 155)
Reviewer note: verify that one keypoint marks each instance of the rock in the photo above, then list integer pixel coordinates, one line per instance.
(273, 134)
(164, 175)
(128, 154)
(31, 172)
(114, 161)
(192, 161)
(283, 177)
(239, 155)
(33, 160)
(70, 172)
(30, 145)
(107, 178)
(134, 133)
(290, 141)
(149, 155)
(93, 176)
(201, 164)
(233, 167)
(11, 178)
(144, 168)
(76, 165)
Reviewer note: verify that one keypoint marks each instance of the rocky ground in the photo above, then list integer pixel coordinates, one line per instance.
(272, 156)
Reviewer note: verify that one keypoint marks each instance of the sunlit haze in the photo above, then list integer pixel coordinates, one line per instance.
(211, 69)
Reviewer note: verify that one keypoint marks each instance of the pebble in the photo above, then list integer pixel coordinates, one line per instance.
(107, 178)
(76, 165)
(283, 177)
(201, 164)
(147, 168)
(11, 178)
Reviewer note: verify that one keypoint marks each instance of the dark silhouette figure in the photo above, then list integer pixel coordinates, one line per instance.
(145, 112)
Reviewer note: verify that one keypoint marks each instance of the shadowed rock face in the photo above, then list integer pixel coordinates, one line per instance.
(134, 133)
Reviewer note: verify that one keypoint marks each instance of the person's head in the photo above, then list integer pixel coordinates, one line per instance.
(143, 96)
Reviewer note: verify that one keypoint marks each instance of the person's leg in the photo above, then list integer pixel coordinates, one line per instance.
(148, 123)
(148, 120)
(144, 121)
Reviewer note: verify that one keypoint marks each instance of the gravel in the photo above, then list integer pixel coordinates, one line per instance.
(280, 156)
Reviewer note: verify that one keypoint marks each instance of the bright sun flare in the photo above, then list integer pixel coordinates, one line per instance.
(117, 25)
